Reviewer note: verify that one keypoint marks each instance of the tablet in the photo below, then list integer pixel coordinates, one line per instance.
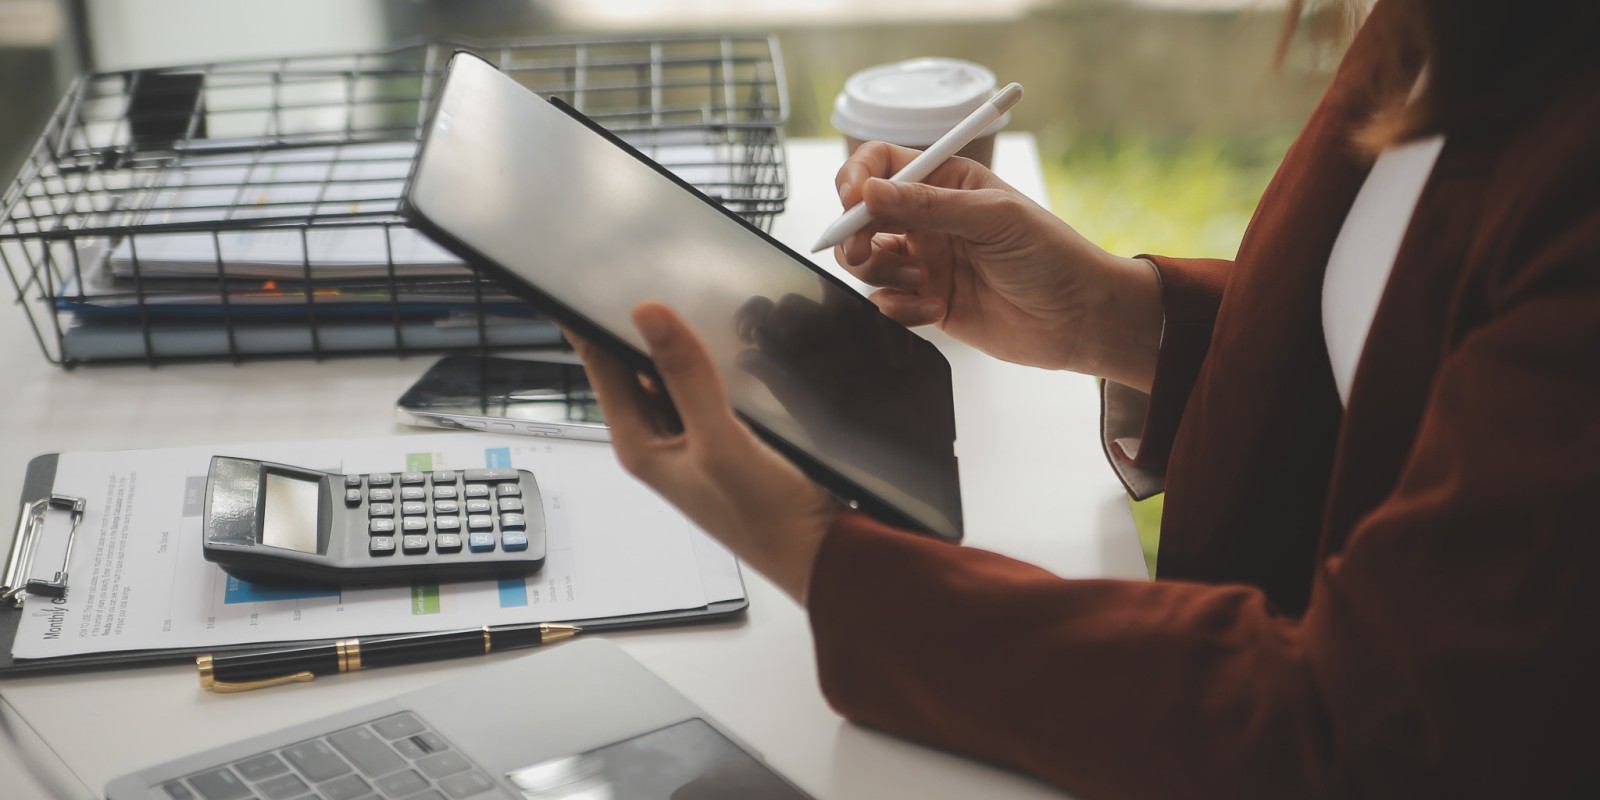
(585, 227)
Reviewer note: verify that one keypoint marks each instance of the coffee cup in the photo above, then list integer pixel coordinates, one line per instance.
(913, 103)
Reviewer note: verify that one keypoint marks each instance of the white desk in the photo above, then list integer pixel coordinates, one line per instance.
(1034, 485)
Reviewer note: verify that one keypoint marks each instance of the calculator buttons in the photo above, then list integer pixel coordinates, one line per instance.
(475, 490)
(414, 508)
(413, 493)
(447, 523)
(446, 507)
(414, 525)
(444, 492)
(380, 495)
(381, 545)
(508, 490)
(480, 522)
(480, 541)
(352, 497)
(380, 510)
(378, 527)
(513, 521)
(412, 478)
(514, 540)
(380, 479)
(510, 504)
(448, 543)
(352, 481)
(414, 543)
(478, 507)
(444, 476)
(489, 475)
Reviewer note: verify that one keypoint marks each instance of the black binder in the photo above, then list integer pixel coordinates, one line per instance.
(38, 484)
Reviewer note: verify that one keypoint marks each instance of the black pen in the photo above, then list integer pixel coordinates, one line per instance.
(241, 672)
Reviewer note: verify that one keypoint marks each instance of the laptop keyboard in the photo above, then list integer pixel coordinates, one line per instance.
(394, 757)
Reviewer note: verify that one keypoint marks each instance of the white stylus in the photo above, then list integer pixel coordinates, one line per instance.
(937, 153)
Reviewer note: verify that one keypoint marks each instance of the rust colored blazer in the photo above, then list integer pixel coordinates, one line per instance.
(1400, 598)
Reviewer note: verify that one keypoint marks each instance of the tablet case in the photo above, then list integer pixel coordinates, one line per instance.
(39, 480)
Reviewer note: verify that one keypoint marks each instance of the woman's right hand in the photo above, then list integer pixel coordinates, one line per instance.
(965, 251)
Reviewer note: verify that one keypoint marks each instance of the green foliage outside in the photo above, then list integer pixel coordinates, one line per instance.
(1131, 195)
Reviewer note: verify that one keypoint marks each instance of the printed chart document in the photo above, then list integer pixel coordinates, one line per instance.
(139, 579)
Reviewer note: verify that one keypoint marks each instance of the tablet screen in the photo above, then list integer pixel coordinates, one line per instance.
(585, 228)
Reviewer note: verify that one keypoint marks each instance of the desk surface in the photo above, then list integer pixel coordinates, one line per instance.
(1034, 486)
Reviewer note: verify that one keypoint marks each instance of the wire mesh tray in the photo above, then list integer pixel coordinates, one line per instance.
(248, 209)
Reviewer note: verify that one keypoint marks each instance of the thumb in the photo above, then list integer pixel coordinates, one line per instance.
(968, 213)
(686, 370)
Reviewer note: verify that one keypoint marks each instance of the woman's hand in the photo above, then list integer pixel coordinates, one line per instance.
(714, 469)
(968, 253)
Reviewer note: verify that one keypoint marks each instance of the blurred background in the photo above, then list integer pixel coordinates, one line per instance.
(1159, 121)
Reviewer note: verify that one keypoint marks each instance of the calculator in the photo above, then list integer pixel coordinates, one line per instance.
(276, 523)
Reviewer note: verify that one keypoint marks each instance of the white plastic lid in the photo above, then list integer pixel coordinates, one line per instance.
(913, 102)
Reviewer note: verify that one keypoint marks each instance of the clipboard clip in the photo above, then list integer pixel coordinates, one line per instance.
(30, 528)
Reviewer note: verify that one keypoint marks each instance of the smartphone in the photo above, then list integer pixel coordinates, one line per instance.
(505, 395)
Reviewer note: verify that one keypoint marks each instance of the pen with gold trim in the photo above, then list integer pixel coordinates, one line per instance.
(240, 672)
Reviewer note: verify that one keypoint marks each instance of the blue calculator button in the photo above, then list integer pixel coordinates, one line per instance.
(480, 541)
(381, 545)
(380, 479)
(378, 527)
(513, 522)
(412, 477)
(514, 540)
(447, 543)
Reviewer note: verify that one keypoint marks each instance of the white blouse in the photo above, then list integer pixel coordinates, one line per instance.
(1364, 253)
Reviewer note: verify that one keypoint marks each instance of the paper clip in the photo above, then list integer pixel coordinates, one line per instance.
(30, 527)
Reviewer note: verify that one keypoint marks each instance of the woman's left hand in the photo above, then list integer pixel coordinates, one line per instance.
(715, 470)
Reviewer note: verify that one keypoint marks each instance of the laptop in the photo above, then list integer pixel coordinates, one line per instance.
(583, 226)
(576, 721)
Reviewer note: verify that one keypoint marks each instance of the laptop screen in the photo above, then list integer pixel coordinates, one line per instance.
(578, 223)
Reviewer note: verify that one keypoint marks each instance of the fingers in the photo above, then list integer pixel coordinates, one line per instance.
(888, 264)
(626, 405)
(691, 380)
(976, 215)
(909, 309)
(870, 160)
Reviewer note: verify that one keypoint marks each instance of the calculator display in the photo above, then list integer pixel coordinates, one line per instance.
(289, 514)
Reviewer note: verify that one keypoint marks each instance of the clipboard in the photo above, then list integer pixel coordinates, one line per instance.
(38, 484)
